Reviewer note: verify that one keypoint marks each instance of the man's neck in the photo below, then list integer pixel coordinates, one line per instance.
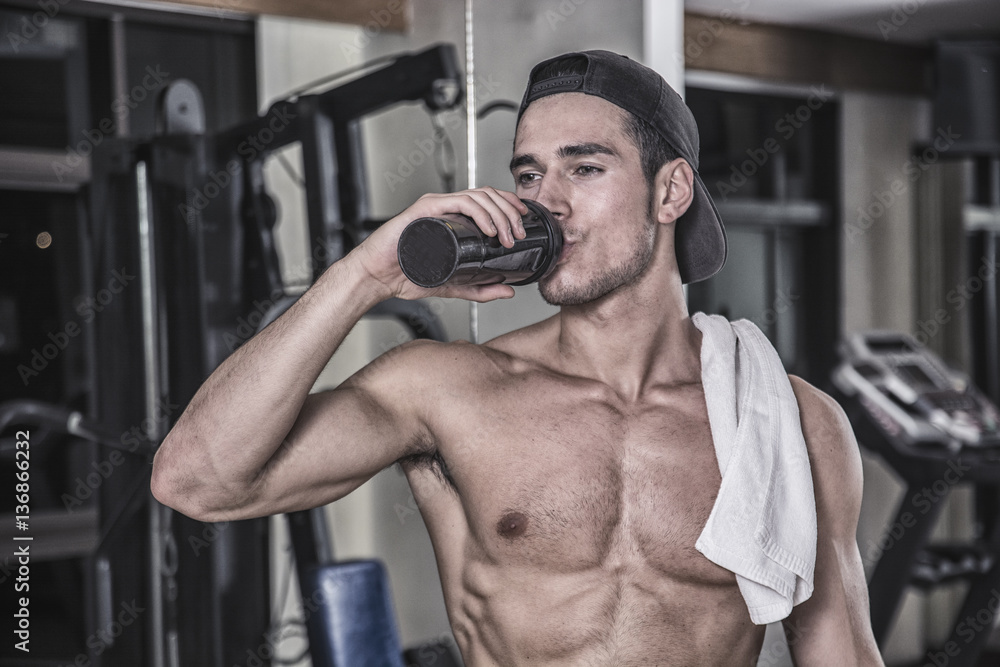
(636, 337)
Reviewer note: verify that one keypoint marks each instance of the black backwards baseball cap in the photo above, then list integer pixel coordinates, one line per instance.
(700, 238)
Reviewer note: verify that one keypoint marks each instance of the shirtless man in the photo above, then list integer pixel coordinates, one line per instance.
(564, 470)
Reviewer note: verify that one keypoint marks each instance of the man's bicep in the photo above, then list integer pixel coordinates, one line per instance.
(344, 436)
(835, 620)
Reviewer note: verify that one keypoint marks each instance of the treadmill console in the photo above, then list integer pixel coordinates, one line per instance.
(913, 395)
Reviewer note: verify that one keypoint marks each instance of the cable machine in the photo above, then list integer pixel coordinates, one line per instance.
(188, 212)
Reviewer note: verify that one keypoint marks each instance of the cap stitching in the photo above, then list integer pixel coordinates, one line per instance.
(574, 81)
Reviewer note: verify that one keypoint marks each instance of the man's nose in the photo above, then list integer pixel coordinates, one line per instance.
(553, 194)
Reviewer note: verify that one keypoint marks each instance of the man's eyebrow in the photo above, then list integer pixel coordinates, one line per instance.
(521, 160)
(571, 150)
(576, 150)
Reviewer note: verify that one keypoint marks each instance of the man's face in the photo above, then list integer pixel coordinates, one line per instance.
(572, 155)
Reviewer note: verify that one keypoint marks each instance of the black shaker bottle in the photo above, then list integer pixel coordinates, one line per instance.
(452, 249)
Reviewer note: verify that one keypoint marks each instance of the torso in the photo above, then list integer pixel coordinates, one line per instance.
(565, 526)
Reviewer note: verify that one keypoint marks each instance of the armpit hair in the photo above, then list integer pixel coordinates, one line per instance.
(429, 458)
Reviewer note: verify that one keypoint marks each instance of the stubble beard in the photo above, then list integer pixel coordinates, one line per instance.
(613, 278)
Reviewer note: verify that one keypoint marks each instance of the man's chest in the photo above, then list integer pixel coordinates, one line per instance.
(572, 481)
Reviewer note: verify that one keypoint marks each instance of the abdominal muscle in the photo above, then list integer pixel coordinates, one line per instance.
(629, 615)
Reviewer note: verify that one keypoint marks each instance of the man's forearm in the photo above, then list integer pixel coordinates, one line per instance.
(241, 414)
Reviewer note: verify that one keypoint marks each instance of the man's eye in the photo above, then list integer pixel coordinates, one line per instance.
(526, 178)
(588, 170)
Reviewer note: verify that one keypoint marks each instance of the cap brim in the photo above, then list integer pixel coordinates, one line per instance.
(700, 238)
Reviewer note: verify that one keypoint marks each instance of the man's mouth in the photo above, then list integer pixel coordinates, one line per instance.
(566, 249)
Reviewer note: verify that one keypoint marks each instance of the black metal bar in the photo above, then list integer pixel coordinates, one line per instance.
(991, 317)
(262, 270)
(970, 633)
(352, 181)
(892, 573)
(319, 166)
(303, 537)
(431, 76)
(61, 420)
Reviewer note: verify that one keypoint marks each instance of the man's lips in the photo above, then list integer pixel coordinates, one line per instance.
(566, 249)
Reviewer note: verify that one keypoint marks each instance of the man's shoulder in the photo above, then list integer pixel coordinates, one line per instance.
(422, 362)
(833, 449)
(824, 422)
(429, 360)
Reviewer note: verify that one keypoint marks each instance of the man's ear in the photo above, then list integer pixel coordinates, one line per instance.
(673, 190)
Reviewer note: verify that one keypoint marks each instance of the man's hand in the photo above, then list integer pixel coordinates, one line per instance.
(496, 212)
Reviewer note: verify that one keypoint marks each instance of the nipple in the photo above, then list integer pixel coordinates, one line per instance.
(512, 524)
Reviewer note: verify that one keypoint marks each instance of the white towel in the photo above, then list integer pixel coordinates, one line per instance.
(763, 524)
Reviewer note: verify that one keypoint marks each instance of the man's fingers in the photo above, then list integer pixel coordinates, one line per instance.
(514, 207)
(480, 293)
(497, 214)
(488, 215)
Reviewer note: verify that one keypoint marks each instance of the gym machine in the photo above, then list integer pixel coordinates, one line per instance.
(936, 430)
(191, 213)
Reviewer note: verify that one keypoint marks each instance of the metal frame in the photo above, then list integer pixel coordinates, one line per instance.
(327, 126)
